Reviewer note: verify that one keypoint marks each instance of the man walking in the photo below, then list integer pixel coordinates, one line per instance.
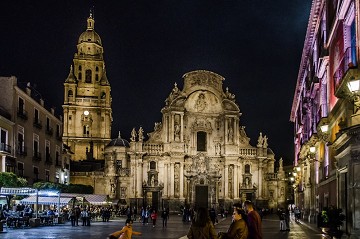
(254, 221)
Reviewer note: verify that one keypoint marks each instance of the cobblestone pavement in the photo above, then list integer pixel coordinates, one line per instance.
(175, 229)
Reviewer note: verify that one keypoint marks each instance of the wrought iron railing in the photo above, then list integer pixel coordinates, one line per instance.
(347, 61)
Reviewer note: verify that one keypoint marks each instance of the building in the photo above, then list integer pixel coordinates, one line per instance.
(325, 113)
(87, 99)
(30, 134)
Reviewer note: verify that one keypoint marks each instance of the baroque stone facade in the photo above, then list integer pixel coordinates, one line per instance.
(199, 154)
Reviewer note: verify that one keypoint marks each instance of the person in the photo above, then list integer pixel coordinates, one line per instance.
(153, 216)
(201, 227)
(72, 217)
(287, 219)
(164, 216)
(213, 215)
(238, 228)
(126, 232)
(254, 221)
(281, 215)
(297, 214)
(77, 215)
(84, 215)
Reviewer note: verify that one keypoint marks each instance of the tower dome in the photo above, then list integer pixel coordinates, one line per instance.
(90, 36)
(119, 142)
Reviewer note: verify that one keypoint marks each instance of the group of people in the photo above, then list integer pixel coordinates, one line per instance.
(246, 224)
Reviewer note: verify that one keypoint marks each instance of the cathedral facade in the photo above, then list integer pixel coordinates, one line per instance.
(198, 155)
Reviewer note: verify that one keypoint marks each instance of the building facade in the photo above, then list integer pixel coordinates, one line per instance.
(30, 134)
(325, 114)
(87, 99)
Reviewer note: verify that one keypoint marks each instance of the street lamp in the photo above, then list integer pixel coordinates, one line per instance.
(312, 149)
(354, 87)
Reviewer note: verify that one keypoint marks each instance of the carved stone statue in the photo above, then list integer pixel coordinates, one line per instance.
(201, 103)
(177, 129)
(230, 134)
(280, 163)
(217, 149)
(133, 135)
(265, 145)
(260, 140)
(141, 134)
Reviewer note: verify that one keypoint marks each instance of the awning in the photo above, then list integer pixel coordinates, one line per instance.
(96, 199)
(17, 191)
(46, 200)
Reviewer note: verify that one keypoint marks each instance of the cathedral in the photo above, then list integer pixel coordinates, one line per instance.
(198, 155)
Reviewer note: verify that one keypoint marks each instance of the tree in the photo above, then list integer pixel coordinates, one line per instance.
(11, 180)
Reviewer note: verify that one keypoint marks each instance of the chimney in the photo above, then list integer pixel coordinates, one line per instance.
(42, 102)
(52, 111)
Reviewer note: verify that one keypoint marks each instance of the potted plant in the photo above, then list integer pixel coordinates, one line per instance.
(332, 219)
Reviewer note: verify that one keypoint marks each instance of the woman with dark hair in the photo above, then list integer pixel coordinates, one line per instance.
(126, 232)
(201, 227)
(238, 228)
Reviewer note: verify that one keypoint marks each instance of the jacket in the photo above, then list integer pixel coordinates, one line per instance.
(237, 230)
(127, 230)
(206, 232)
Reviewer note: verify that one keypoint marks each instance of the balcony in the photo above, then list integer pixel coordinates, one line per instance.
(21, 113)
(37, 156)
(48, 160)
(5, 148)
(49, 131)
(21, 151)
(37, 123)
(347, 62)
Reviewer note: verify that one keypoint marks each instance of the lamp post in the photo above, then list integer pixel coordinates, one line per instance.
(354, 87)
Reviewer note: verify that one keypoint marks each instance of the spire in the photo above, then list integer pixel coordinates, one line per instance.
(71, 77)
(119, 137)
(90, 21)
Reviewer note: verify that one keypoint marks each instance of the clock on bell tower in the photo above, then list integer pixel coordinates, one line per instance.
(87, 99)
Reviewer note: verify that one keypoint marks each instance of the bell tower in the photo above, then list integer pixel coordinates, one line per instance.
(87, 99)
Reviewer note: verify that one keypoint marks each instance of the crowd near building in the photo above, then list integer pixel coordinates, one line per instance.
(326, 115)
(198, 154)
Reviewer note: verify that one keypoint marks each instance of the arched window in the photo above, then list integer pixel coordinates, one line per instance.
(97, 77)
(103, 95)
(79, 76)
(201, 141)
(88, 76)
(153, 165)
(70, 93)
(247, 168)
(80, 68)
(86, 130)
(97, 69)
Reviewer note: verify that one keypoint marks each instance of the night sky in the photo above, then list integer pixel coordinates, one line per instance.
(149, 45)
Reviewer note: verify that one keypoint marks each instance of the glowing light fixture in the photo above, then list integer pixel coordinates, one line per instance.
(298, 169)
(324, 128)
(86, 112)
(354, 85)
(312, 149)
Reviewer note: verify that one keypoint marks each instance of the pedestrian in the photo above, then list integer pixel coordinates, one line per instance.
(238, 228)
(213, 217)
(72, 217)
(153, 216)
(84, 215)
(77, 215)
(126, 232)
(164, 216)
(202, 227)
(287, 219)
(254, 221)
(281, 215)
(143, 213)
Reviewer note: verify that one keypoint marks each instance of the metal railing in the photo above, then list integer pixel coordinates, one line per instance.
(22, 114)
(347, 61)
(5, 148)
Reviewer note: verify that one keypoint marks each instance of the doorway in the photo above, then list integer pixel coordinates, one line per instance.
(201, 196)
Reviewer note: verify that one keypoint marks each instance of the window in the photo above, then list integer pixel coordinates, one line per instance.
(47, 151)
(86, 131)
(88, 76)
(247, 168)
(36, 145)
(97, 69)
(4, 140)
(20, 167)
(36, 115)
(103, 95)
(70, 93)
(20, 140)
(57, 156)
(57, 130)
(21, 105)
(80, 68)
(153, 165)
(97, 77)
(79, 76)
(36, 174)
(47, 124)
(201, 141)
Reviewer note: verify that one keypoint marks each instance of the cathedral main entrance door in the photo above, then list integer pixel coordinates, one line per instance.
(201, 196)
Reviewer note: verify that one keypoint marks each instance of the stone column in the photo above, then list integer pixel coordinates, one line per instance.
(181, 180)
(260, 187)
(165, 180)
(182, 128)
(172, 135)
(236, 182)
(312, 215)
(172, 173)
(139, 176)
(226, 130)
(226, 181)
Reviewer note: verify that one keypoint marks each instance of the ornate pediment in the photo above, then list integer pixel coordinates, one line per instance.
(201, 124)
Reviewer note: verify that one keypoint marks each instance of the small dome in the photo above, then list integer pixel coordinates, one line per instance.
(90, 35)
(119, 142)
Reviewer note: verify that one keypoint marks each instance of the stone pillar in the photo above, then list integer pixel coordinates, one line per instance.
(226, 130)
(260, 186)
(182, 129)
(139, 175)
(3, 163)
(165, 180)
(312, 216)
(226, 181)
(236, 182)
(307, 190)
(172, 173)
(172, 135)
(181, 180)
